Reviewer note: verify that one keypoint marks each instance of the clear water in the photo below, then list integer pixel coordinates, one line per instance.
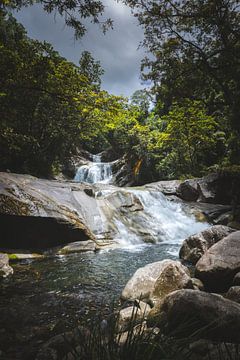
(47, 297)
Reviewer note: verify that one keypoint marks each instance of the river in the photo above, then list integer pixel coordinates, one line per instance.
(49, 296)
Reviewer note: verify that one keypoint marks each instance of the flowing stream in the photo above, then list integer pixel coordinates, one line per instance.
(47, 297)
(94, 172)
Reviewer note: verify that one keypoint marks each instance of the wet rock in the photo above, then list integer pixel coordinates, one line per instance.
(234, 224)
(167, 187)
(5, 268)
(218, 266)
(60, 346)
(24, 256)
(234, 294)
(132, 315)
(208, 316)
(78, 246)
(188, 191)
(236, 279)
(223, 219)
(123, 174)
(154, 281)
(137, 331)
(125, 201)
(207, 188)
(37, 213)
(210, 211)
(196, 245)
(197, 284)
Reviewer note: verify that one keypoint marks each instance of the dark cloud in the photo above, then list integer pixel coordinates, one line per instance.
(117, 50)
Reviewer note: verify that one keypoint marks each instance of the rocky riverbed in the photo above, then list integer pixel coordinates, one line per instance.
(74, 246)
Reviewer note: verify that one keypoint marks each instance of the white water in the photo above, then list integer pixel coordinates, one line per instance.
(161, 221)
(94, 172)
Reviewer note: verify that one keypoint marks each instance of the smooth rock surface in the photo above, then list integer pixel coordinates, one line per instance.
(208, 316)
(188, 191)
(78, 246)
(154, 281)
(218, 266)
(132, 315)
(196, 245)
(25, 256)
(236, 279)
(5, 268)
(234, 294)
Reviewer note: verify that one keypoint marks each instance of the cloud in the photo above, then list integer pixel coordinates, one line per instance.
(117, 50)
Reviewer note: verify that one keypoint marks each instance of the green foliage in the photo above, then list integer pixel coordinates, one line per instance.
(141, 99)
(48, 106)
(91, 68)
(74, 12)
(189, 142)
(100, 341)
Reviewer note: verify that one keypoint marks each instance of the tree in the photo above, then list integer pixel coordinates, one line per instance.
(205, 32)
(190, 142)
(48, 106)
(74, 12)
(91, 68)
(141, 99)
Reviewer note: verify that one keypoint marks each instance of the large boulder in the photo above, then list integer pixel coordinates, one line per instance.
(37, 213)
(220, 263)
(167, 187)
(196, 245)
(208, 316)
(5, 269)
(132, 315)
(154, 281)
(188, 191)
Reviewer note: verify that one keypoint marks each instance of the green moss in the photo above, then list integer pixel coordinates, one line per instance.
(12, 257)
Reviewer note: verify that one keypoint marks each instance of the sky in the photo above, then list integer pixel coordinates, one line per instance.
(118, 51)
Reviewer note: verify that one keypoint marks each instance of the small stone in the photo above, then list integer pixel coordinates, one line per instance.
(78, 246)
(5, 269)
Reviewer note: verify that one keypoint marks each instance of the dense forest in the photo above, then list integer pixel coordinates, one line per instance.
(186, 125)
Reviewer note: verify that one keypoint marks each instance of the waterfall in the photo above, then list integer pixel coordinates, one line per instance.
(158, 221)
(95, 171)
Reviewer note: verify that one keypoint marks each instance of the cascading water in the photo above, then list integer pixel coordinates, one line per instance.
(155, 220)
(77, 287)
(94, 172)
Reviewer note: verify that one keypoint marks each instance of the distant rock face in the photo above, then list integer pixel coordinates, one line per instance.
(209, 316)
(218, 266)
(154, 281)
(196, 245)
(5, 269)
